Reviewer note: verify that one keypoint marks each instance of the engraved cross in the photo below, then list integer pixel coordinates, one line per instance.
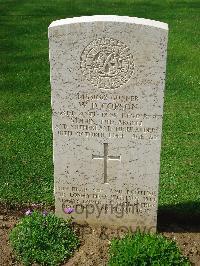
(106, 158)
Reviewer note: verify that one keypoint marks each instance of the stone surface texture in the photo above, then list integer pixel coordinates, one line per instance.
(107, 81)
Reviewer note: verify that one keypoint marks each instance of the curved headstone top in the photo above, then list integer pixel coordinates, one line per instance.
(110, 18)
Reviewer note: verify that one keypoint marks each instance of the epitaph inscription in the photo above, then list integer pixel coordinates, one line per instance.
(107, 80)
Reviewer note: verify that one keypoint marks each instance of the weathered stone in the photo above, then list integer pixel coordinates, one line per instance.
(107, 80)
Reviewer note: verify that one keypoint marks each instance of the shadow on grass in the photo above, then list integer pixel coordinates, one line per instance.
(183, 217)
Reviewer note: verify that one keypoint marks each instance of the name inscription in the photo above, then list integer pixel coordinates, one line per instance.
(109, 116)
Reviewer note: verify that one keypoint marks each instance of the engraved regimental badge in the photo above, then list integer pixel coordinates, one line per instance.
(107, 63)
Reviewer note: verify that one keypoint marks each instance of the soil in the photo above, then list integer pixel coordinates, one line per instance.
(93, 250)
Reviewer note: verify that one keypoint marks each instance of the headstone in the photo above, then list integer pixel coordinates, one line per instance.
(107, 80)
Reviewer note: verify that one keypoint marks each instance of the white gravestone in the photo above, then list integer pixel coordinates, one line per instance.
(107, 80)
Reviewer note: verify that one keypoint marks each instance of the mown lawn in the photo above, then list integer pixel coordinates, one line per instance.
(26, 170)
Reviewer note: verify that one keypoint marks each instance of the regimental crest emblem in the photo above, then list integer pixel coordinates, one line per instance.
(107, 63)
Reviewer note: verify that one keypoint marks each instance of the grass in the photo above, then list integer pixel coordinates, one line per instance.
(142, 249)
(26, 170)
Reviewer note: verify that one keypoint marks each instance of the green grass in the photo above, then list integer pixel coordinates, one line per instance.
(142, 249)
(26, 141)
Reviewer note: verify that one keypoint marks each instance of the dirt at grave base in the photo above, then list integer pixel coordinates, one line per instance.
(95, 241)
